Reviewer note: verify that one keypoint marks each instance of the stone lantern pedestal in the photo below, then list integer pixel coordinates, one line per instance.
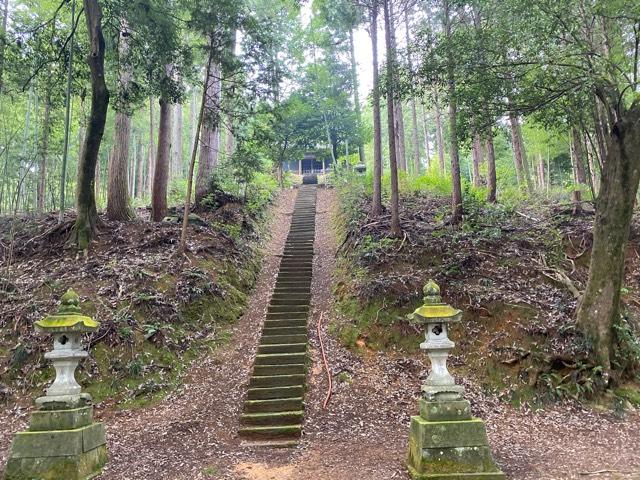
(62, 441)
(445, 441)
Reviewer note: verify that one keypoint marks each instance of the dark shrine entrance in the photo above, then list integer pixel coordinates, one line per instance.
(310, 163)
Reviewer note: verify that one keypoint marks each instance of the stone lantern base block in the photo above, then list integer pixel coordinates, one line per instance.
(59, 444)
(450, 450)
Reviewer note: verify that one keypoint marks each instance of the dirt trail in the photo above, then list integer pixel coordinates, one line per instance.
(192, 434)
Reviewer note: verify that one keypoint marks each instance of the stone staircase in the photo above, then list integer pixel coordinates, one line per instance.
(274, 408)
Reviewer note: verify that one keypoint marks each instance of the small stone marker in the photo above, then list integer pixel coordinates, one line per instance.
(62, 441)
(445, 442)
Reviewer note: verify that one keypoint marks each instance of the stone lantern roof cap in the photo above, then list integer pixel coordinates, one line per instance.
(434, 310)
(68, 318)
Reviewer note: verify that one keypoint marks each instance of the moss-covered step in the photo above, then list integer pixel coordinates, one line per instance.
(288, 308)
(268, 370)
(264, 381)
(280, 319)
(271, 393)
(281, 358)
(272, 418)
(273, 405)
(282, 348)
(269, 432)
(282, 339)
(300, 329)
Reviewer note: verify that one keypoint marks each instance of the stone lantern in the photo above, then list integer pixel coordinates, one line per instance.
(62, 441)
(445, 441)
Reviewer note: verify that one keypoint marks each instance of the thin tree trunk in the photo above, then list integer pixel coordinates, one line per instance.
(43, 154)
(67, 124)
(176, 147)
(439, 135)
(140, 170)
(194, 152)
(599, 309)
(151, 149)
(476, 150)
(491, 167)
(425, 130)
(3, 39)
(456, 198)
(161, 174)
(209, 134)
(397, 103)
(356, 96)
(391, 61)
(579, 178)
(414, 112)
(192, 121)
(519, 154)
(86, 221)
(377, 123)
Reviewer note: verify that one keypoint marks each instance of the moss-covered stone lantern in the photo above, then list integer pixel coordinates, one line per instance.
(445, 442)
(63, 441)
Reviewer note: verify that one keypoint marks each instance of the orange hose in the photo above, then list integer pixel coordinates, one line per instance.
(324, 359)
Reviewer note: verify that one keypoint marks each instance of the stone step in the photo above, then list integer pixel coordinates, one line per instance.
(281, 339)
(287, 300)
(287, 316)
(274, 329)
(273, 405)
(271, 432)
(282, 348)
(271, 370)
(272, 418)
(287, 308)
(277, 324)
(277, 381)
(279, 290)
(295, 277)
(281, 358)
(270, 393)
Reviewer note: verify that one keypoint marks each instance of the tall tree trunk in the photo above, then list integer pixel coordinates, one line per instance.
(599, 309)
(476, 150)
(393, 166)
(397, 103)
(43, 154)
(456, 198)
(491, 167)
(3, 38)
(377, 123)
(209, 134)
(194, 152)
(118, 207)
(140, 169)
(86, 221)
(229, 94)
(192, 120)
(67, 124)
(151, 149)
(161, 174)
(425, 133)
(439, 134)
(356, 96)
(519, 154)
(579, 177)
(176, 147)
(415, 142)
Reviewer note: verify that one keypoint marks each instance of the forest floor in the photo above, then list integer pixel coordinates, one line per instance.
(191, 434)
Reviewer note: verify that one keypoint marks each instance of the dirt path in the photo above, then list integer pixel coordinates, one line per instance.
(362, 434)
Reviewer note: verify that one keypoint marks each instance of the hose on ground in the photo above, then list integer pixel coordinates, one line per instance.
(326, 363)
